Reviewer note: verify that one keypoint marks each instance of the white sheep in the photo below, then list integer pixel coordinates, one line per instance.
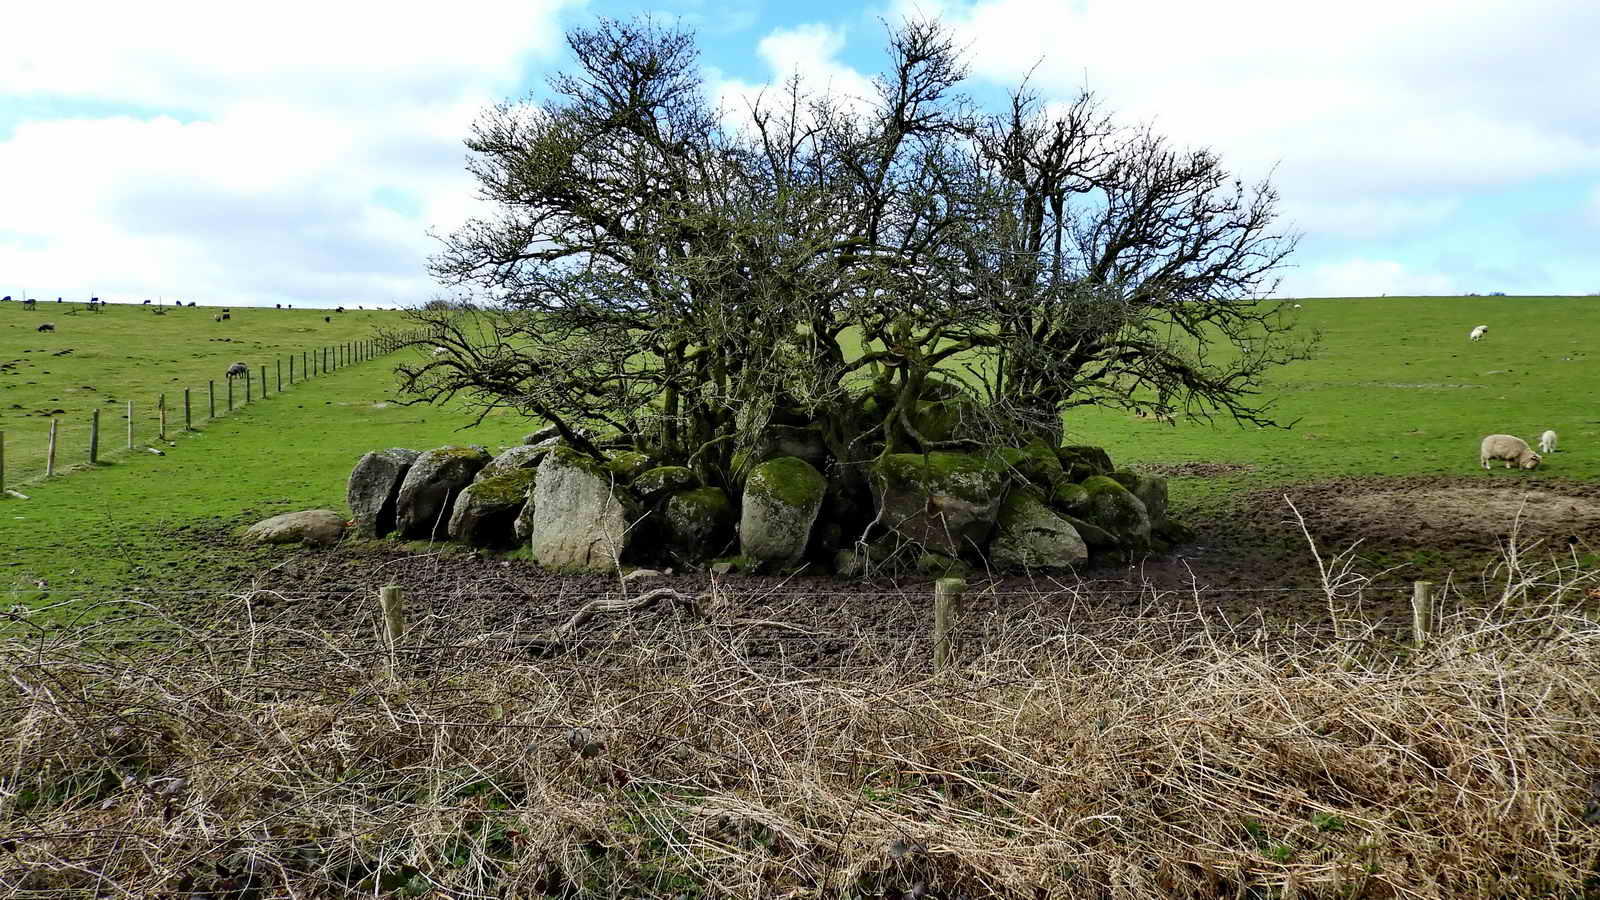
(1298, 306)
(1509, 448)
(1478, 333)
(1547, 442)
(439, 351)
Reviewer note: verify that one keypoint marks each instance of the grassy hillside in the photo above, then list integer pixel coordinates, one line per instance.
(1396, 389)
(103, 360)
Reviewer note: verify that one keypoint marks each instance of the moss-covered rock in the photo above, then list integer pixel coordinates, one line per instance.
(945, 502)
(1082, 462)
(1125, 477)
(653, 485)
(1036, 464)
(581, 514)
(698, 522)
(521, 456)
(1152, 492)
(628, 464)
(800, 441)
(943, 420)
(431, 486)
(1115, 509)
(485, 512)
(1030, 537)
(1069, 498)
(781, 500)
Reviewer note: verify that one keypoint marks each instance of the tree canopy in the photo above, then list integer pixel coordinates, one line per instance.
(689, 276)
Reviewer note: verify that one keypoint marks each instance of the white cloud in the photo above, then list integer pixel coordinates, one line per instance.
(1365, 97)
(1366, 278)
(808, 52)
(285, 124)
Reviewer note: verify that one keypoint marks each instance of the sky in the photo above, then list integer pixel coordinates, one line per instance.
(306, 153)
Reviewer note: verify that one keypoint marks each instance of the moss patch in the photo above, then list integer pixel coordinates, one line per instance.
(969, 477)
(789, 480)
(511, 487)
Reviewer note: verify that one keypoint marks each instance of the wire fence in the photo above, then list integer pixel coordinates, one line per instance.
(152, 426)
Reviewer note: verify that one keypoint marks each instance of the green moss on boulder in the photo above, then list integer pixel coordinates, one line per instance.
(628, 464)
(945, 502)
(1080, 461)
(1115, 509)
(653, 485)
(1029, 536)
(698, 522)
(781, 500)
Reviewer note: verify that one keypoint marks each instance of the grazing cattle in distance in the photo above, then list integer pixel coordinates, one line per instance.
(46, 326)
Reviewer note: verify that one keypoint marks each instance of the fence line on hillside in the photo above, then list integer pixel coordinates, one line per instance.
(66, 439)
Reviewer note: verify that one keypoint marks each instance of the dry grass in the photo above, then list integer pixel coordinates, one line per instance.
(1158, 756)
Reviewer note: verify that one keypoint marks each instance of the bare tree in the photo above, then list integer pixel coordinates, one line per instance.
(683, 274)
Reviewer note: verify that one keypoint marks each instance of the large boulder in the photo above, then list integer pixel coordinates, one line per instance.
(1152, 492)
(945, 502)
(781, 500)
(581, 515)
(1082, 462)
(432, 484)
(655, 485)
(485, 512)
(1117, 511)
(522, 525)
(1030, 536)
(522, 456)
(1035, 464)
(312, 527)
(699, 522)
(374, 487)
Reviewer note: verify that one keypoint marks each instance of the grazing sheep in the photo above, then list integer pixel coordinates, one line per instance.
(1508, 448)
(338, 309)
(147, 303)
(191, 303)
(29, 303)
(46, 326)
(216, 318)
(440, 351)
(327, 318)
(1298, 306)
(5, 299)
(1478, 333)
(1547, 442)
(238, 370)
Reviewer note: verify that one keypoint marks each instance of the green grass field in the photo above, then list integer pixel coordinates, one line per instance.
(1396, 389)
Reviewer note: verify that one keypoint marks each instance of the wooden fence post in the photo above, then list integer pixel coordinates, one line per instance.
(2, 464)
(230, 395)
(211, 389)
(188, 416)
(247, 386)
(263, 382)
(291, 368)
(280, 374)
(94, 437)
(161, 415)
(1422, 595)
(394, 621)
(130, 424)
(947, 594)
(50, 454)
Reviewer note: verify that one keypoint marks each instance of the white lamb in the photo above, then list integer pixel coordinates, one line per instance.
(1478, 333)
(1547, 442)
(1509, 448)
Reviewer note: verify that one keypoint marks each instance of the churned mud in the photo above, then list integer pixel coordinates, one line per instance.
(1249, 563)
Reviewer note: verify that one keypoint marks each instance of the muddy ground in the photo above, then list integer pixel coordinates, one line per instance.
(1249, 563)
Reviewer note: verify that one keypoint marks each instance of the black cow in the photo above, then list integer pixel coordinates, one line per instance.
(46, 326)
(327, 318)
